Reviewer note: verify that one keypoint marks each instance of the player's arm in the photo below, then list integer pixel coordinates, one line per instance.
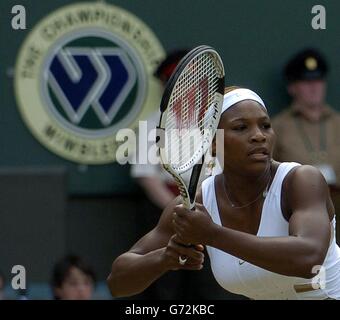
(152, 256)
(293, 255)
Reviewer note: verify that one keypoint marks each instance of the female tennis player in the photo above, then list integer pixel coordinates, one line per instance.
(268, 227)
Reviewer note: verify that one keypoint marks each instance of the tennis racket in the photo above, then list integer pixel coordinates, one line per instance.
(190, 112)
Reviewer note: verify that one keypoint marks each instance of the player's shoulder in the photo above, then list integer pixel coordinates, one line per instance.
(306, 171)
(305, 187)
(304, 178)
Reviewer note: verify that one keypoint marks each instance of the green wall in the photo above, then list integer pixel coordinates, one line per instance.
(254, 38)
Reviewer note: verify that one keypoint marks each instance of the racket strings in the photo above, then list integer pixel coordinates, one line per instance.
(184, 101)
(187, 115)
(185, 142)
(187, 118)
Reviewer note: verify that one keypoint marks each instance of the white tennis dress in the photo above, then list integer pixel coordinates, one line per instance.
(246, 279)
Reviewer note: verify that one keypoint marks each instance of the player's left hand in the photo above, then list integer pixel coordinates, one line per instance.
(193, 227)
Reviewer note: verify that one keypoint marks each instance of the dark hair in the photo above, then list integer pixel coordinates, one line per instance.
(62, 269)
(231, 88)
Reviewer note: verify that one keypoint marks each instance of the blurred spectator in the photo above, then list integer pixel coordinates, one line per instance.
(308, 131)
(72, 279)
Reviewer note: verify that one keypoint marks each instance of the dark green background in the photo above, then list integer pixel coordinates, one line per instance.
(254, 38)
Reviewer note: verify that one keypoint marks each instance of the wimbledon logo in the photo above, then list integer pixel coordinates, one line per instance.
(84, 73)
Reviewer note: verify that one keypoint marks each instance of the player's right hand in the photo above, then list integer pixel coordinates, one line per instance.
(174, 250)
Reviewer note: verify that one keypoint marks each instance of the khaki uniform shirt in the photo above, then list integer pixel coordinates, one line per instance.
(306, 142)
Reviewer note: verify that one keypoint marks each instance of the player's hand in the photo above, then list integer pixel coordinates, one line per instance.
(193, 227)
(174, 250)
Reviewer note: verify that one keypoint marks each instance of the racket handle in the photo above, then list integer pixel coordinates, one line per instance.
(183, 259)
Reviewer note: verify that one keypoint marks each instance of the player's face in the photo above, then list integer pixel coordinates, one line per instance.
(77, 286)
(248, 136)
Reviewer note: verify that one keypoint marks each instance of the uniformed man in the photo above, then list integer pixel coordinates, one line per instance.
(308, 131)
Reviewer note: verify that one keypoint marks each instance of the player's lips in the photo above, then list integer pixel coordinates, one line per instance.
(259, 153)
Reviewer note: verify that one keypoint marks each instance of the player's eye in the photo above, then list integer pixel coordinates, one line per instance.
(266, 125)
(239, 127)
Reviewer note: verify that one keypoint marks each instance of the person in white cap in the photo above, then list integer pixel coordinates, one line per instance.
(268, 227)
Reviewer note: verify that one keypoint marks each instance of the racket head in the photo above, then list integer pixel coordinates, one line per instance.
(190, 111)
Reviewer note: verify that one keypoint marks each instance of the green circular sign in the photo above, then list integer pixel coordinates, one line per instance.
(84, 73)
